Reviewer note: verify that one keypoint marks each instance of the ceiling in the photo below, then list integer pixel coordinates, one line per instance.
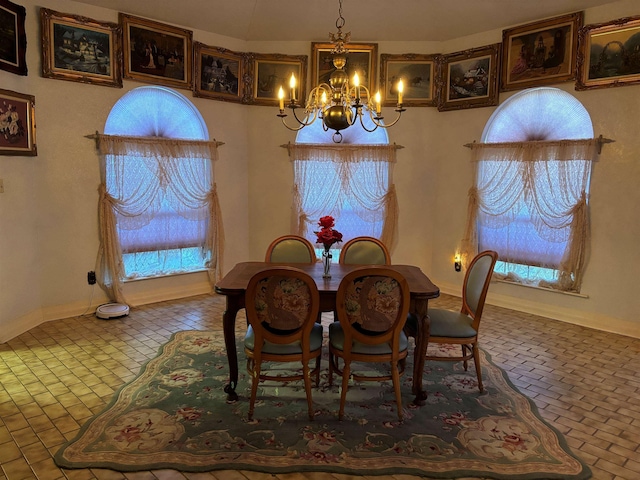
(368, 20)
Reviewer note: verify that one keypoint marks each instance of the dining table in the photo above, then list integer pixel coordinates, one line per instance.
(234, 284)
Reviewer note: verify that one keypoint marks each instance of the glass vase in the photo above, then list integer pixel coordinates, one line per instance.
(326, 262)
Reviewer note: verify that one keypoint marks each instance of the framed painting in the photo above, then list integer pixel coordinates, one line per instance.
(361, 59)
(219, 73)
(469, 79)
(13, 38)
(540, 53)
(609, 54)
(17, 124)
(156, 52)
(272, 71)
(418, 75)
(80, 49)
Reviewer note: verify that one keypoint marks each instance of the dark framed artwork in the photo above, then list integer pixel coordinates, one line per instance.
(469, 79)
(418, 75)
(218, 74)
(156, 52)
(17, 124)
(80, 49)
(540, 53)
(13, 38)
(269, 72)
(361, 59)
(609, 54)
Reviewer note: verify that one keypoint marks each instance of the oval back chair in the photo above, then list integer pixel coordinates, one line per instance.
(461, 328)
(372, 305)
(281, 307)
(364, 251)
(290, 249)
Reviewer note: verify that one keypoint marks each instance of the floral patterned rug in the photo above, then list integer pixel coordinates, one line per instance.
(175, 415)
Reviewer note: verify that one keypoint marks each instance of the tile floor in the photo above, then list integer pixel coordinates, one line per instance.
(56, 376)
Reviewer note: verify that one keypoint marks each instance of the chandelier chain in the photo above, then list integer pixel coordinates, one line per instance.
(340, 20)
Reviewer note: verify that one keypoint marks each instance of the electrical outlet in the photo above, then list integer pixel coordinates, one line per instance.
(1, 186)
(91, 277)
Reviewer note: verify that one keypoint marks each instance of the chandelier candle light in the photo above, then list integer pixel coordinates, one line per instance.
(327, 236)
(338, 104)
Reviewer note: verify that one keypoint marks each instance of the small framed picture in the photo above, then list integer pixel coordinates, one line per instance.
(17, 124)
(609, 54)
(361, 59)
(272, 71)
(156, 52)
(418, 75)
(540, 53)
(469, 79)
(13, 38)
(219, 73)
(80, 49)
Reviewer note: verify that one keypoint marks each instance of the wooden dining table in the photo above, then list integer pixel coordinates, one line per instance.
(235, 282)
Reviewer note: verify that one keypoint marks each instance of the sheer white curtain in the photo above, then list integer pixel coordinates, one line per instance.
(144, 180)
(544, 182)
(342, 181)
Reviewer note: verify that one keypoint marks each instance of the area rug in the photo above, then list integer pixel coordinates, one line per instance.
(175, 415)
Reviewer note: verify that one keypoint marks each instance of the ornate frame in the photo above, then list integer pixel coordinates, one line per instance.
(144, 39)
(12, 31)
(591, 59)
(218, 82)
(531, 55)
(270, 71)
(469, 78)
(18, 128)
(364, 55)
(66, 56)
(420, 75)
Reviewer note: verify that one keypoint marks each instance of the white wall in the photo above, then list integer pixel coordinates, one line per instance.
(48, 213)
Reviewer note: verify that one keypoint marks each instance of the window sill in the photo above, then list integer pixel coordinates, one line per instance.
(165, 275)
(545, 289)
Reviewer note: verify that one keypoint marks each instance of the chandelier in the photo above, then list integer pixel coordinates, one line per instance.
(338, 104)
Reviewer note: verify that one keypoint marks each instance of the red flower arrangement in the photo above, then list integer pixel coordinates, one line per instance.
(327, 235)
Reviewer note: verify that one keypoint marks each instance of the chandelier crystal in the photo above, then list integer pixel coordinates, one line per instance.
(338, 104)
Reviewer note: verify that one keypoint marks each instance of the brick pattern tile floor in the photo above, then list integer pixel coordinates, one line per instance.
(53, 378)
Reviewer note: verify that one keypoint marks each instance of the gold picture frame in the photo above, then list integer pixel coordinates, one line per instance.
(13, 38)
(362, 58)
(269, 72)
(17, 124)
(469, 79)
(219, 73)
(157, 53)
(419, 75)
(609, 54)
(81, 49)
(540, 53)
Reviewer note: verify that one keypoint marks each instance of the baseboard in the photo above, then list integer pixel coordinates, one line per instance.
(576, 317)
(20, 325)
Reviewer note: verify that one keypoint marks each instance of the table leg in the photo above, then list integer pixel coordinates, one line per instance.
(422, 341)
(234, 303)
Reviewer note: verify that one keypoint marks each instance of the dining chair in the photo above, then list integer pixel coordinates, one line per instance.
(281, 305)
(364, 251)
(290, 249)
(372, 305)
(461, 328)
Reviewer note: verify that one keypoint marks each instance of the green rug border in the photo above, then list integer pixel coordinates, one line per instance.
(462, 473)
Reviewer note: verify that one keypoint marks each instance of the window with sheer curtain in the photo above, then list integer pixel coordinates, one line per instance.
(159, 212)
(530, 196)
(351, 181)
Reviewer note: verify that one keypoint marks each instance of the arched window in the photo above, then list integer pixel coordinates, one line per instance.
(532, 179)
(351, 181)
(159, 194)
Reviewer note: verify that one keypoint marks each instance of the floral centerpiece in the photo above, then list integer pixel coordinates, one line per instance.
(327, 236)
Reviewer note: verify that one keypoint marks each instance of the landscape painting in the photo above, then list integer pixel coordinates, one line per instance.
(80, 49)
